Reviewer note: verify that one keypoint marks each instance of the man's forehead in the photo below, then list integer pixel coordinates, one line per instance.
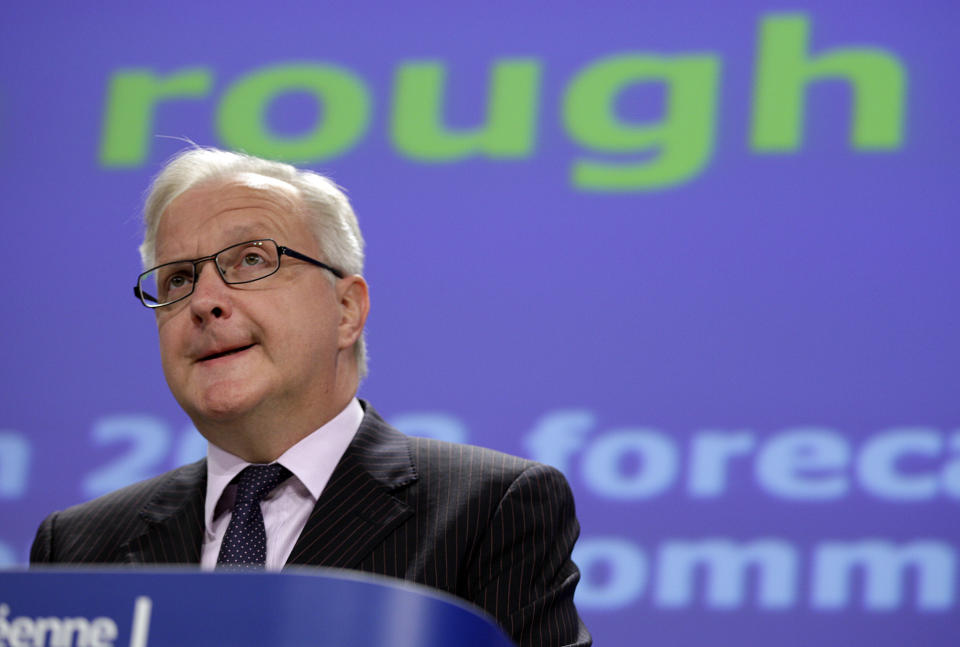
(276, 202)
(243, 185)
(261, 183)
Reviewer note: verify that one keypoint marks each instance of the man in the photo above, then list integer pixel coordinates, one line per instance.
(254, 273)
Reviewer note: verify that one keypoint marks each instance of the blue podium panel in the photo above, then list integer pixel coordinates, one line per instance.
(97, 608)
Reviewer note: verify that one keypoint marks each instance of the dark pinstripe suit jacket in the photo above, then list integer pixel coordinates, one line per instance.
(493, 529)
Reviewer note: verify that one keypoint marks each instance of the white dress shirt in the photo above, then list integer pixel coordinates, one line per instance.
(287, 507)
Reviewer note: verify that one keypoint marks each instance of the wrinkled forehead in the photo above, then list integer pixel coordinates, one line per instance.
(219, 192)
(244, 204)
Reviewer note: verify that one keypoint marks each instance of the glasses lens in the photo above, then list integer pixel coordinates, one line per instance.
(248, 261)
(166, 283)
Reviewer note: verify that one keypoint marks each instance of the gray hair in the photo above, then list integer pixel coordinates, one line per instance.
(325, 206)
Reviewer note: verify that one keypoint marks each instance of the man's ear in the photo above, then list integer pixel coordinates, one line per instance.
(354, 306)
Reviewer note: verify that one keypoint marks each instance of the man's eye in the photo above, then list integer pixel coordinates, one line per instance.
(252, 259)
(177, 281)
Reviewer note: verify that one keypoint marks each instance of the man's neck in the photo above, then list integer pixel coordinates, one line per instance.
(264, 435)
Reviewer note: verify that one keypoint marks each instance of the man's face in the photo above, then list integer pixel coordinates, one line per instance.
(269, 348)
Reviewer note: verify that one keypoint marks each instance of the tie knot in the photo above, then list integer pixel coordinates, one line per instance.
(255, 481)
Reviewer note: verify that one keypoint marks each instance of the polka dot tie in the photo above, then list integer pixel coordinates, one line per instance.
(245, 542)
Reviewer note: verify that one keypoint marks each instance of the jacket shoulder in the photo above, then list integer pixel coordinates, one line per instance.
(87, 532)
(457, 456)
(465, 467)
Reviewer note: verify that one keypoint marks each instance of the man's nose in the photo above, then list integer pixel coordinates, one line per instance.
(211, 296)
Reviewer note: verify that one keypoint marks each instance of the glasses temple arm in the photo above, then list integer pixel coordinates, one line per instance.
(143, 296)
(297, 255)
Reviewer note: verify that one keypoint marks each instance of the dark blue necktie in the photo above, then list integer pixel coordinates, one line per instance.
(245, 542)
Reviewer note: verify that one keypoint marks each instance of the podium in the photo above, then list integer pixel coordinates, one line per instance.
(167, 608)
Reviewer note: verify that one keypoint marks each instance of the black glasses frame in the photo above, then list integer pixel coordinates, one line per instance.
(151, 301)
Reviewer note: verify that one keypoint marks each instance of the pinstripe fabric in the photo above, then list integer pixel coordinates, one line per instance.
(490, 528)
(158, 521)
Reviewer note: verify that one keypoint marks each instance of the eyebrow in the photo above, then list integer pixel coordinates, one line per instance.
(256, 231)
(238, 234)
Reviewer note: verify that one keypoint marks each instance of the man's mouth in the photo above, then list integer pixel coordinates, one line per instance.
(224, 353)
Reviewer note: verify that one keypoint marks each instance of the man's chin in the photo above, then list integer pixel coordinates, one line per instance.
(222, 404)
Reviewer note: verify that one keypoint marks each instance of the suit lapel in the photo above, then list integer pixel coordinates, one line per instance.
(357, 508)
(174, 519)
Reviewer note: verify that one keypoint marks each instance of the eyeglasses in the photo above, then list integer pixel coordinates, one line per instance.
(240, 263)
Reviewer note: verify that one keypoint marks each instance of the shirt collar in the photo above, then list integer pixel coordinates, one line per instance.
(312, 460)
